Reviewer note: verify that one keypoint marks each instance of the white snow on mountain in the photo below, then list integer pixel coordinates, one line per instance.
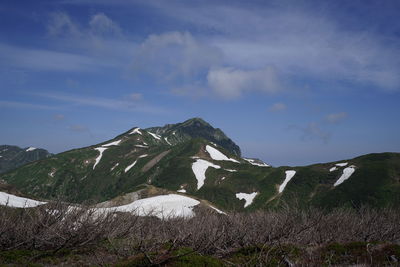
(230, 170)
(289, 176)
(115, 143)
(347, 172)
(136, 130)
(181, 191)
(115, 166)
(101, 150)
(156, 136)
(18, 202)
(342, 164)
(141, 146)
(30, 149)
(134, 163)
(199, 168)
(253, 162)
(164, 206)
(248, 198)
(333, 169)
(217, 155)
(166, 140)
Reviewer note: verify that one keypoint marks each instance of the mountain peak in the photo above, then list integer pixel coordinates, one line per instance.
(196, 128)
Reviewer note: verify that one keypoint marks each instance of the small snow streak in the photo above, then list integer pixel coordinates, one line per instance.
(156, 136)
(136, 131)
(217, 155)
(101, 150)
(289, 176)
(347, 172)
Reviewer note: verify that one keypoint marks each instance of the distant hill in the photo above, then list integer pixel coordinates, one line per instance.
(12, 157)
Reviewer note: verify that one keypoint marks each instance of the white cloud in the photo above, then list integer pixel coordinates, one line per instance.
(336, 117)
(175, 56)
(60, 23)
(101, 24)
(231, 83)
(277, 107)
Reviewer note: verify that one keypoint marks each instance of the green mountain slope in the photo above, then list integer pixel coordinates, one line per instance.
(12, 157)
(195, 159)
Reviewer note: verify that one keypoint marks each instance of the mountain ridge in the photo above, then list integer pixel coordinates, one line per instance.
(169, 159)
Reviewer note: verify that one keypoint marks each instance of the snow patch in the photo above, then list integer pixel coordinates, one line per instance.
(166, 140)
(133, 164)
(101, 150)
(156, 136)
(130, 166)
(333, 169)
(30, 149)
(347, 172)
(199, 168)
(253, 162)
(342, 164)
(181, 191)
(136, 131)
(165, 206)
(18, 202)
(248, 198)
(230, 170)
(115, 143)
(289, 176)
(141, 146)
(115, 166)
(217, 155)
(217, 210)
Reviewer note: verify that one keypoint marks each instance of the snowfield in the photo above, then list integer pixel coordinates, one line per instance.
(18, 202)
(156, 136)
(30, 149)
(217, 155)
(289, 176)
(342, 164)
(181, 191)
(333, 169)
(199, 169)
(230, 170)
(115, 143)
(247, 197)
(136, 131)
(347, 172)
(165, 206)
(253, 162)
(101, 150)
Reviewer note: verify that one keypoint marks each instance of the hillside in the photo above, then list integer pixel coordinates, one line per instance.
(194, 159)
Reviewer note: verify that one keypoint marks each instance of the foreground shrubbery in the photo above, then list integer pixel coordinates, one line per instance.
(56, 235)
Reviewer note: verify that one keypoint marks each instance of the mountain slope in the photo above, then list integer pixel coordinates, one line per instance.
(12, 157)
(188, 158)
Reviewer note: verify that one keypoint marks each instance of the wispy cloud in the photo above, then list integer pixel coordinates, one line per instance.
(47, 60)
(336, 117)
(312, 131)
(24, 105)
(123, 104)
(277, 107)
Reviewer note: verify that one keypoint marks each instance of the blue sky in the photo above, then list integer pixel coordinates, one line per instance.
(291, 82)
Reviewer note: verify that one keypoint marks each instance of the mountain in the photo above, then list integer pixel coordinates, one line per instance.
(12, 157)
(194, 159)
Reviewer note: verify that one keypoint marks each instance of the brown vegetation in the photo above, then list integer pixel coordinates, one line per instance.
(287, 237)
